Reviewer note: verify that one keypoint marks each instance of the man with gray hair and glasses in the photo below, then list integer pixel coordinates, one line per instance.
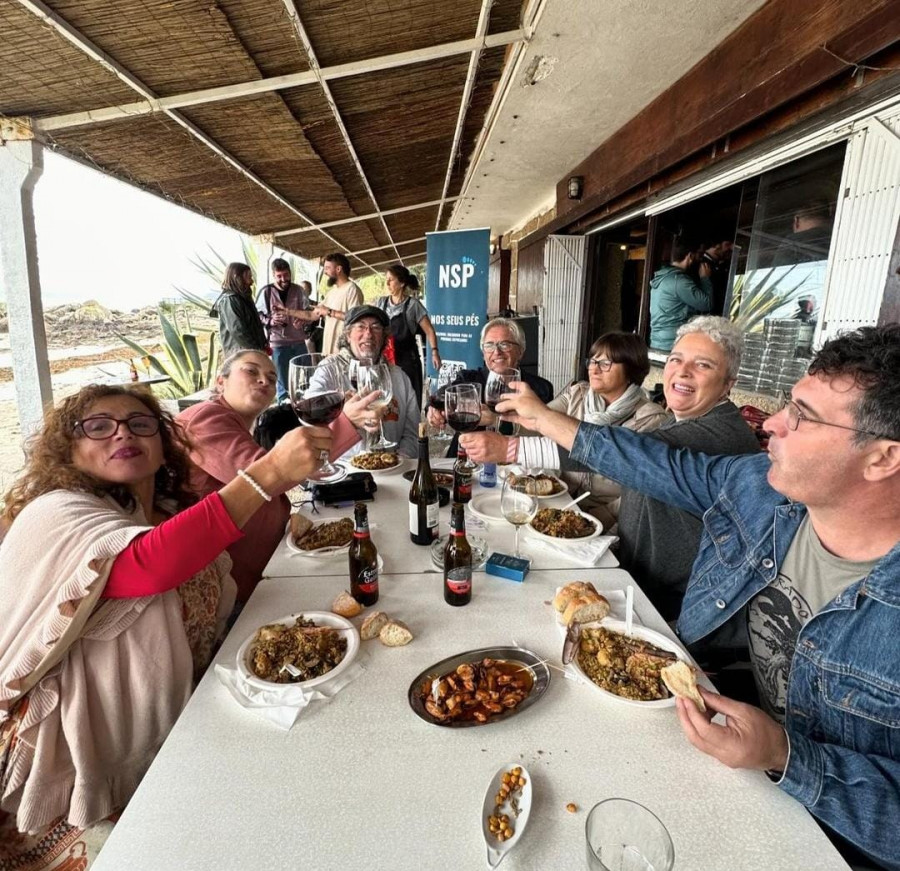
(502, 345)
(806, 542)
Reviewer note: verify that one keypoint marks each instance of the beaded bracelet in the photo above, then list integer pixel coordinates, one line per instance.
(254, 485)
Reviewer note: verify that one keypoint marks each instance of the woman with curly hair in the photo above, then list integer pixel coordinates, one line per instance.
(114, 590)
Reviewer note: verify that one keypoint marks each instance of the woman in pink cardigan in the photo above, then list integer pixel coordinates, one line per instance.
(114, 589)
(220, 434)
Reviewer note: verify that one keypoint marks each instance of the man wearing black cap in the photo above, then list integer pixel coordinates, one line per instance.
(363, 338)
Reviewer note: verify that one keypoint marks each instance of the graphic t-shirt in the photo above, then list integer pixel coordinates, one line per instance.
(810, 577)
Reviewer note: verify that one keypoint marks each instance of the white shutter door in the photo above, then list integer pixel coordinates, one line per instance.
(865, 227)
(561, 312)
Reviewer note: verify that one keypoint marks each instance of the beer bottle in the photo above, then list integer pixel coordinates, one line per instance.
(423, 498)
(363, 560)
(457, 560)
(462, 477)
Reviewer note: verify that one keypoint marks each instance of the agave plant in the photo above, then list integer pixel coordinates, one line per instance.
(757, 294)
(182, 363)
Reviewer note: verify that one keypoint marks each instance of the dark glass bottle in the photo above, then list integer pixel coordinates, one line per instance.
(423, 498)
(363, 560)
(462, 477)
(457, 560)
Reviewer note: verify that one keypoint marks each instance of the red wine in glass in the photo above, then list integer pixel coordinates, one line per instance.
(463, 421)
(437, 402)
(319, 410)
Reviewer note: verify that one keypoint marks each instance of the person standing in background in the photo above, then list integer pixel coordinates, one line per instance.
(342, 296)
(311, 327)
(286, 312)
(407, 314)
(239, 322)
(676, 295)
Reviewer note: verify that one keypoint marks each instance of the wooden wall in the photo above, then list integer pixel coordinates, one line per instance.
(529, 277)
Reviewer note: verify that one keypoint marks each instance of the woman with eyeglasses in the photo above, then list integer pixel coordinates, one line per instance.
(617, 365)
(114, 591)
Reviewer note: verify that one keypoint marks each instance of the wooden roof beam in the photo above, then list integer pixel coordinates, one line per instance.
(82, 43)
(368, 217)
(302, 35)
(155, 105)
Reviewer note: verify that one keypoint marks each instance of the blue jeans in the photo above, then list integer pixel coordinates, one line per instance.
(281, 357)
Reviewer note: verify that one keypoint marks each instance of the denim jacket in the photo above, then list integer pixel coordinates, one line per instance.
(842, 713)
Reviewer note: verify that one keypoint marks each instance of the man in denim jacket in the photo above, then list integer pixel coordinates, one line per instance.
(808, 537)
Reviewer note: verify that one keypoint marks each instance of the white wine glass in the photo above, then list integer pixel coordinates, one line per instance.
(377, 376)
(317, 397)
(517, 505)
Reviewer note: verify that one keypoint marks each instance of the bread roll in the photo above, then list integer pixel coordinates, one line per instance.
(570, 591)
(681, 681)
(373, 624)
(395, 634)
(346, 605)
(586, 609)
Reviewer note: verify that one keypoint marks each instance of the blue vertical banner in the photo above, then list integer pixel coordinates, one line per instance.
(456, 294)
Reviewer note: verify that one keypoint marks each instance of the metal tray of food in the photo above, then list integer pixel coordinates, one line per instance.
(519, 659)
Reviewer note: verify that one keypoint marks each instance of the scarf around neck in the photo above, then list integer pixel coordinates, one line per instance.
(596, 409)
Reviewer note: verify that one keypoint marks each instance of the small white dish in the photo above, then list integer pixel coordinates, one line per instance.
(644, 634)
(598, 529)
(320, 618)
(497, 850)
(487, 507)
(319, 552)
(562, 490)
(401, 463)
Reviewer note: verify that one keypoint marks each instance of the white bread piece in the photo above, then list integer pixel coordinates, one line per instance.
(373, 624)
(300, 525)
(681, 681)
(586, 609)
(570, 591)
(395, 634)
(346, 605)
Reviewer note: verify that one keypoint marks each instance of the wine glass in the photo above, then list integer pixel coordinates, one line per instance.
(498, 384)
(462, 403)
(377, 376)
(436, 384)
(317, 396)
(517, 505)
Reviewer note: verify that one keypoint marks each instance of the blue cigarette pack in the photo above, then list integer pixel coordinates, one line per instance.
(504, 566)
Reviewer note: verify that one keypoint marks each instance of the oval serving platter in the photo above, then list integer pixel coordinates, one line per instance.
(534, 663)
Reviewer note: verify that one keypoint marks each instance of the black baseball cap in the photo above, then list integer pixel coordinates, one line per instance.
(366, 311)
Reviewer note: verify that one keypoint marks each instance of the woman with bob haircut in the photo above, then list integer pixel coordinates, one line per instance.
(114, 590)
(240, 325)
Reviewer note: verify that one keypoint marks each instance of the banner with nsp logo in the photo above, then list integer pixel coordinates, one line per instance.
(456, 294)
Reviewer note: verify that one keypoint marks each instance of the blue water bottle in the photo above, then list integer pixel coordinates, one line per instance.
(488, 476)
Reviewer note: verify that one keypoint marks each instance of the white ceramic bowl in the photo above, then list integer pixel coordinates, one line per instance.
(598, 529)
(320, 618)
(496, 850)
(654, 638)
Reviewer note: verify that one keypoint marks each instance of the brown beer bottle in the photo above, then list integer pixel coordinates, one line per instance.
(457, 560)
(363, 560)
(462, 477)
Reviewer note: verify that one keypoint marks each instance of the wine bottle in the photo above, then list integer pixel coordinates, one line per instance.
(423, 498)
(457, 560)
(363, 560)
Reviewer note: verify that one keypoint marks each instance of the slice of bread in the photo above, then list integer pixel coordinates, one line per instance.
(569, 592)
(681, 681)
(395, 634)
(373, 624)
(300, 525)
(346, 605)
(586, 609)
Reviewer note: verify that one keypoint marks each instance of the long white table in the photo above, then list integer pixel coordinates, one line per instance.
(388, 514)
(361, 782)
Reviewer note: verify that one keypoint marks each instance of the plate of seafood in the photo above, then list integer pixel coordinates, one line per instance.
(298, 650)
(377, 462)
(479, 687)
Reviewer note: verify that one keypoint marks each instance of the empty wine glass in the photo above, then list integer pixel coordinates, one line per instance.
(623, 835)
(377, 376)
(317, 396)
(517, 505)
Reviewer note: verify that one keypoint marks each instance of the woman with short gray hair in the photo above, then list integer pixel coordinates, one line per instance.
(724, 333)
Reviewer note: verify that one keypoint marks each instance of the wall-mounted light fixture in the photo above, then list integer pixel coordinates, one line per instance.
(575, 187)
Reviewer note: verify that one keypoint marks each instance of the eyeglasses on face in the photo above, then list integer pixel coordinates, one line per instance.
(101, 427)
(503, 347)
(375, 329)
(795, 414)
(601, 363)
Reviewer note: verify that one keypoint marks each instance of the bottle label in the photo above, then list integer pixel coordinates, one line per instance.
(463, 489)
(432, 516)
(368, 579)
(459, 580)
